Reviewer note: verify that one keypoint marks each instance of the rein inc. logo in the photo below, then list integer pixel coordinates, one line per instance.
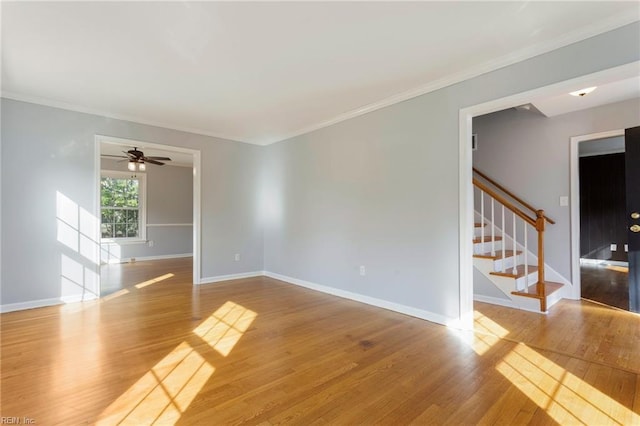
(17, 420)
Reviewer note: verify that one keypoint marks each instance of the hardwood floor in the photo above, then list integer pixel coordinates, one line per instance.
(260, 351)
(606, 284)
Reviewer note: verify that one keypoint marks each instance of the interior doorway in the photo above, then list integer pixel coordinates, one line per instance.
(158, 217)
(604, 268)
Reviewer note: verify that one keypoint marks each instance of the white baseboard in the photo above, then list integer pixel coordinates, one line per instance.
(32, 304)
(10, 307)
(392, 306)
(145, 258)
(79, 298)
(219, 278)
(584, 261)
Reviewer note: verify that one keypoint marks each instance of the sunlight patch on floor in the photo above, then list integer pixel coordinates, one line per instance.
(224, 327)
(564, 397)
(486, 333)
(616, 268)
(154, 280)
(165, 392)
(116, 294)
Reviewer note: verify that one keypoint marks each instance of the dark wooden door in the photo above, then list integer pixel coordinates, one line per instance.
(632, 168)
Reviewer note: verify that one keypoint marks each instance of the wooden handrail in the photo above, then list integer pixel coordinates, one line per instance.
(538, 222)
(510, 194)
(531, 221)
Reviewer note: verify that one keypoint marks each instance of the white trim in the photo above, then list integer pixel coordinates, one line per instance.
(380, 303)
(466, 188)
(122, 241)
(153, 225)
(10, 307)
(135, 259)
(596, 28)
(220, 278)
(466, 219)
(196, 188)
(574, 162)
(584, 261)
(40, 100)
(197, 215)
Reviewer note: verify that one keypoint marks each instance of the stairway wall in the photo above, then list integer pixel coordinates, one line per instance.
(483, 287)
(529, 154)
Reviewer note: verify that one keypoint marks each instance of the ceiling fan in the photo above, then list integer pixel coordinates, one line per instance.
(137, 159)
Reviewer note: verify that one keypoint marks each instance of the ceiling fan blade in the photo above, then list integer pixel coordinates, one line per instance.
(158, 158)
(150, 161)
(115, 156)
(134, 153)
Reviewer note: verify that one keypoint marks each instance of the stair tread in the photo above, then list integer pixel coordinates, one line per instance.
(498, 255)
(519, 269)
(487, 239)
(549, 286)
(479, 224)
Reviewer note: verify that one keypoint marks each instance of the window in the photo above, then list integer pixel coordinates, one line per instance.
(122, 199)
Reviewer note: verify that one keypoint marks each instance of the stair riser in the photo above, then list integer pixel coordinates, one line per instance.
(508, 262)
(524, 282)
(486, 247)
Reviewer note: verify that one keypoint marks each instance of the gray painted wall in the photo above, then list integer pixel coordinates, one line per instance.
(484, 287)
(59, 146)
(169, 202)
(381, 190)
(529, 154)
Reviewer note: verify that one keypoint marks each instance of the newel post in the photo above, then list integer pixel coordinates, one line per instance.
(540, 288)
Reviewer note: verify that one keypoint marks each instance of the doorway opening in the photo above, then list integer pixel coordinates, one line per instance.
(147, 213)
(466, 218)
(598, 214)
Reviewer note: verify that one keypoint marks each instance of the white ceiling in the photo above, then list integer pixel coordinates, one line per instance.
(259, 72)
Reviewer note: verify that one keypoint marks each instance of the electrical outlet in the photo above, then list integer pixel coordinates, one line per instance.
(614, 247)
(363, 271)
(237, 257)
(626, 248)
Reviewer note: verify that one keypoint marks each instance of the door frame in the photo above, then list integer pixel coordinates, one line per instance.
(465, 173)
(196, 190)
(574, 159)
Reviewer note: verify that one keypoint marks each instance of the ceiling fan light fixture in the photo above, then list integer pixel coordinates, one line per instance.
(131, 166)
(141, 166)
(583, 92)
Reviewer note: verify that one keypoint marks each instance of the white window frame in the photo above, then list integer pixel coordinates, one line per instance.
(142, 201)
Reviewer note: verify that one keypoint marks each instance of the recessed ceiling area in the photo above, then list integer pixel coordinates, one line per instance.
(260, 72)
(605, 93)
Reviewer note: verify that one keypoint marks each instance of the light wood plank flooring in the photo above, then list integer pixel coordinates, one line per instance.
(260, 351)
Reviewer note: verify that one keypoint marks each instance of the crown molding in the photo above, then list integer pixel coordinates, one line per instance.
(124, 117)
(595, 29)
(592, 30)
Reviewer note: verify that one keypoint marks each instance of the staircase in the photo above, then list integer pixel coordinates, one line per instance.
(508, 247)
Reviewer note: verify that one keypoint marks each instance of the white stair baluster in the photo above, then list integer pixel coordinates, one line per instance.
(482, 219)
(515, 246)
(493, 231)
(503, 240)
(526, 263)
